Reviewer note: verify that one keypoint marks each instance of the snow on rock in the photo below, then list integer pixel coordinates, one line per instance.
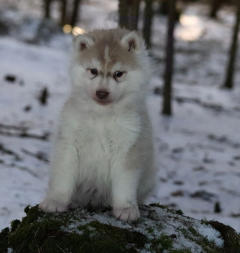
(159, 229)
(211, 234)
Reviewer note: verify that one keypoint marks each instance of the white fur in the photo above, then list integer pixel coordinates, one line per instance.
(103, 153)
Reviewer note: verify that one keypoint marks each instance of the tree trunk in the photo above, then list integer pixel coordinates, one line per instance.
(215, 7)
(163, 7)
(75, 12)
(133, 14)
(167, 89)
(229, 81)
(47, 8)
(128, 11)
(63, 11)
(147, 25)
(123, 13)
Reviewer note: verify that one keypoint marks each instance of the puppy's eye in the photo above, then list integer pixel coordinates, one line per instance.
(118, 74)
(93, 72)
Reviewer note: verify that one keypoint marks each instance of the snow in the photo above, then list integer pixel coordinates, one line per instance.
(211, 234)
(154, 223)
(197, 150)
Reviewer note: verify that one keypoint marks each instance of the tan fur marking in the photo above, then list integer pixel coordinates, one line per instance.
(108, 50)
(106, 60)
(106, 54)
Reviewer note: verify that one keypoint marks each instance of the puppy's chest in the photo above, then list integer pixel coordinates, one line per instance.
(100, 142)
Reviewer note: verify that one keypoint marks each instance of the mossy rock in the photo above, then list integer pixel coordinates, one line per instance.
(87, 231)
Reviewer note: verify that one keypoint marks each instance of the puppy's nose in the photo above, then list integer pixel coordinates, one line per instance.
(102, 94)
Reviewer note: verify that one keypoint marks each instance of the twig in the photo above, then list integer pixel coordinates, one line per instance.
(39, 155)
(12, 127)
(24, 134)
(215, 107)
(9, 152)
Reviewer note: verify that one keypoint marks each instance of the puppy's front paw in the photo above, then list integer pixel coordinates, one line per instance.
(51, 206)
(127, 213)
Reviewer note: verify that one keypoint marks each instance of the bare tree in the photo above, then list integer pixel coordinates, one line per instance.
(215, 7)
(75, 12)
(63, 11)
(167, 88)
(133, 14)
(122, 13)
(163, 7)
(128, 11)
(229, 80)
(47, 8)
(147, 22)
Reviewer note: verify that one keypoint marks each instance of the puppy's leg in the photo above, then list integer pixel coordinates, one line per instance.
(124, 193)
(64, 173)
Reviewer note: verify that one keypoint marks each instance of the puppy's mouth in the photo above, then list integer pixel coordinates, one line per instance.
(102, 101)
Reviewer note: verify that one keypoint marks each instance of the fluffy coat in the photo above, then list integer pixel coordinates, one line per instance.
(103, 152)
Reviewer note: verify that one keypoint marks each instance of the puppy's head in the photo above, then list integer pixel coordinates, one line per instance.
(108, 65)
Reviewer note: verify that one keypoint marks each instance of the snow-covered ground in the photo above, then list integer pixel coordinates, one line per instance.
(197, 150)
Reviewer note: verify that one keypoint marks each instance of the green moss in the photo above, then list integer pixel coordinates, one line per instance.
(159, 205)
(204, 221)
(111, 239)
(34, 236)
(40, 232)
(179, 212)
(4, 240)
(165, 242)
(14, 225)
(180, 251)
(150, 230)
(193, 231)
(78, 231)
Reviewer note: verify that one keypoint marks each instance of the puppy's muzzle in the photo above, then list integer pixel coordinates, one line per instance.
(102, 94)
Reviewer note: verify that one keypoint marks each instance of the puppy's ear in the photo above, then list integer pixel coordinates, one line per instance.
(132, 41)
(82, 42)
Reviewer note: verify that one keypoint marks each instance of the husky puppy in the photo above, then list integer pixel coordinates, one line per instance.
(103, 153)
